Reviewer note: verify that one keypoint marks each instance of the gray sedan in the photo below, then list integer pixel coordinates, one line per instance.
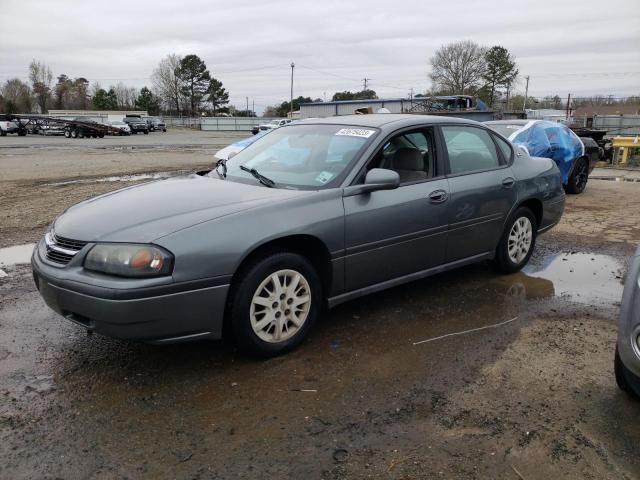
(627, 359)
(311, 215)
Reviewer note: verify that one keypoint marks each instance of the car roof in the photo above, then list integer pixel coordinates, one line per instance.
(380, 120)
(509, 122)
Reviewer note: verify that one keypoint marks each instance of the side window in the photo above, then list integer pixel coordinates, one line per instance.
(411, 154)
(470, 149)
(504, 147)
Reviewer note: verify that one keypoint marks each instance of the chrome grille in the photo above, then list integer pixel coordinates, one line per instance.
(68, 243)
(57, 257)
(61, 250)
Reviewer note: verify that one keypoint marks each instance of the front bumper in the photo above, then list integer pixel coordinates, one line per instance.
(629, 323)
(133, 310)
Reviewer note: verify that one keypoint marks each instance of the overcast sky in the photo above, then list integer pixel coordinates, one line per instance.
(579, 47)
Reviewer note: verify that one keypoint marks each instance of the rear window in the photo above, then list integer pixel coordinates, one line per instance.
(504, 129)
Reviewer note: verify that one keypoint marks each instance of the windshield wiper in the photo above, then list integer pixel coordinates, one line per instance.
(266, 181)
(223, 164)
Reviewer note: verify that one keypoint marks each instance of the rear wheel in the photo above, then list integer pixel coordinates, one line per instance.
(67, 133)
(3, 133)
(74, 133)
(579, 177)
(146, 132)
(274, 303)
(517, 242)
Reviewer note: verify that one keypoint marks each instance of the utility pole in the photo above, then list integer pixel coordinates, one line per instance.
(366, 82)
(291, 103)
(247, 98)
(526, 94)
(568, 105)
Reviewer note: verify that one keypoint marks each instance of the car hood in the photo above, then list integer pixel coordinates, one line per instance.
(143, 213)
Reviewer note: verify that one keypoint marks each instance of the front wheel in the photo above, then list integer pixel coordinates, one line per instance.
(274, 304)
(579, 177)
(517, 242)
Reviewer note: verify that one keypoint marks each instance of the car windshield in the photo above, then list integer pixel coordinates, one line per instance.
(505, 129)
(301, 156)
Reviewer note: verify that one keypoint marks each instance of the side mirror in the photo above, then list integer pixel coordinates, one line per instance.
(376, 179)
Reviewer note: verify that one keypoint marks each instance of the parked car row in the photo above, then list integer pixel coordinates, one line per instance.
(277, 123)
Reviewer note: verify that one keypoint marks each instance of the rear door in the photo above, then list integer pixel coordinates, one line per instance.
(482, 190)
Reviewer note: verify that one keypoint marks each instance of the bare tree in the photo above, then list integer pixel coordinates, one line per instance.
(457, 67)
(40, 76)
(16, 96)
(125, 96)
(166, 84)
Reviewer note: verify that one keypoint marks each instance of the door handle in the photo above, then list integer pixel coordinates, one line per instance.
(508, 182)
(438, 196)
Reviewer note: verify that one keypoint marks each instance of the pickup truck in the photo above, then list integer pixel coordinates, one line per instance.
(11, 126)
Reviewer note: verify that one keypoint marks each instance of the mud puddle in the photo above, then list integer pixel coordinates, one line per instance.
(584, 278)
(121, 178)
(10, 256)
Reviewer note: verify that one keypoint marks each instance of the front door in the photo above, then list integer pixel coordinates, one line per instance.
(392, 233)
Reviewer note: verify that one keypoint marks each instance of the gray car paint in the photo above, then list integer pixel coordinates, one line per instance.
(629, 322)
(371, 241)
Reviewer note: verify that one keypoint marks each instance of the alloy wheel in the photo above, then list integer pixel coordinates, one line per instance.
(280, 306)
(520, 238)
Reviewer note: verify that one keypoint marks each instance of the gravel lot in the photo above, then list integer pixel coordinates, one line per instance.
(531, 398)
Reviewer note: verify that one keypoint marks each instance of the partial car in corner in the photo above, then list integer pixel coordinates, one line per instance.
(310, 215)
(627, 356)
(542, 138)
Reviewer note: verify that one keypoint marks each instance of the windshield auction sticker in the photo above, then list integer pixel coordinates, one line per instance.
(356, 132)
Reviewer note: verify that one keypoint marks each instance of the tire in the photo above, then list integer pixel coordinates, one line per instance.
(22, 133)
(74, 133)
(146, 132)
(625, 379)
(133, 132)
(67, 133)
(164, 130)
(256, 281)
(579, 177)
(520, 231)
(101, 135)
(3, 133)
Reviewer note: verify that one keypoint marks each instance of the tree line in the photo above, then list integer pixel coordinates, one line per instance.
(185, 86)
(179, 86)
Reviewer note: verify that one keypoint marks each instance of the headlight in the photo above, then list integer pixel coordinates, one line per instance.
(129, 260)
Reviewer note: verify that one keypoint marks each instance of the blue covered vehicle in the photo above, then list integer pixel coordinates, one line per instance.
(553, 140)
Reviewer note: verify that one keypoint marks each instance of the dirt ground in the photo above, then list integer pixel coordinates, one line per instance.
(387, 386)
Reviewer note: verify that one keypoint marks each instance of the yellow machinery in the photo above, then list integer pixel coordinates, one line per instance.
(626, 150)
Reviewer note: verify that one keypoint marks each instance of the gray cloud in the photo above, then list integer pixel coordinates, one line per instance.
(577, 47)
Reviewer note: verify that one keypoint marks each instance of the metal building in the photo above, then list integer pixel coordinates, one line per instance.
(348, 107)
